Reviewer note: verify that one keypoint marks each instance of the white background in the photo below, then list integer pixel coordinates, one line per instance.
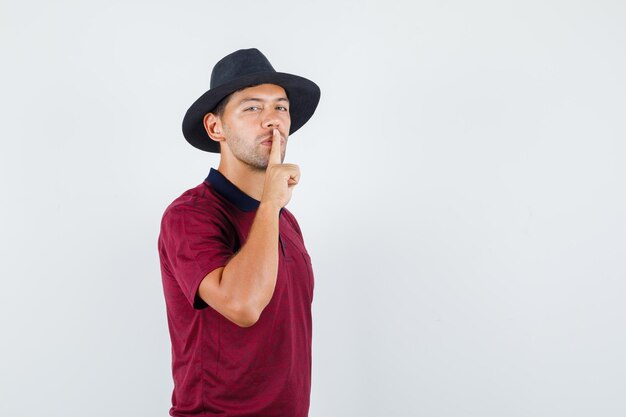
(462, 199)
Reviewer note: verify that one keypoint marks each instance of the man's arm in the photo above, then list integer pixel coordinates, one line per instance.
(244, 287)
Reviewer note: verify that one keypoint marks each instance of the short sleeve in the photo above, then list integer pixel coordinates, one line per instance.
(192, 243)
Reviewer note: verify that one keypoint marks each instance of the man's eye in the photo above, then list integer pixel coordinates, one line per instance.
(282, 108)
(252, 108)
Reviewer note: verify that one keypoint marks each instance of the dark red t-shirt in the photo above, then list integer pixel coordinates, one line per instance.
(219, 368)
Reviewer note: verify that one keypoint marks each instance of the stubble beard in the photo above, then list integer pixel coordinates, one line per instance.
(253, 155)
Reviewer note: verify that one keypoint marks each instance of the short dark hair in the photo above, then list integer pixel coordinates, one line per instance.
(218, 110)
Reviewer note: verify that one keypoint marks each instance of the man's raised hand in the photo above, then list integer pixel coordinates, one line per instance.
(279, 178)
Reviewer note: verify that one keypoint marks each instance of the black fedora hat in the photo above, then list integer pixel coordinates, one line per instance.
(240, 69)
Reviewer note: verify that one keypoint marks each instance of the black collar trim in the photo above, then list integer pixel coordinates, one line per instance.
(229, 191)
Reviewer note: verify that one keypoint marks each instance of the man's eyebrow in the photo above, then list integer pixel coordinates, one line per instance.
(261, 100)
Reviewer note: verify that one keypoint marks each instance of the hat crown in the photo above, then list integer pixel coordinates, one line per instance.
(238, 64)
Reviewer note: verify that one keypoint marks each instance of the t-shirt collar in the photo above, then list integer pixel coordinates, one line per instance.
(229, 191)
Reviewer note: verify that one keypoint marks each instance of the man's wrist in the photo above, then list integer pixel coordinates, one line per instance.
(269, 208)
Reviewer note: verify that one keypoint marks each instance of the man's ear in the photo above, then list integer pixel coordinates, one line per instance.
(213, 127)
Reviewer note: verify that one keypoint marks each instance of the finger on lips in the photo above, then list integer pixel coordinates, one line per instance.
(275, 150)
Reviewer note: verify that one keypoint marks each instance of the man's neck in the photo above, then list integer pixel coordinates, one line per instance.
(248, 180)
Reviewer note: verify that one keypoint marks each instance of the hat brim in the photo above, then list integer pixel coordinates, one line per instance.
(303, 95)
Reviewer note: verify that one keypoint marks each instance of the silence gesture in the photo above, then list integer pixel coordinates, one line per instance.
(279, 178)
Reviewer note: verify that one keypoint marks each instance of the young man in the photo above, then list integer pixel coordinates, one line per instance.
(237, 278)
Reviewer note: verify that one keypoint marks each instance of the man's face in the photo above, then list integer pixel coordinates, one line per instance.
(249, 119)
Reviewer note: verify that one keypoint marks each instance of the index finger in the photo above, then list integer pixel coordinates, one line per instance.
(275, 151)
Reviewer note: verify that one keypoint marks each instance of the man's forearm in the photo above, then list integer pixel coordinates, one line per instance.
(249, 278)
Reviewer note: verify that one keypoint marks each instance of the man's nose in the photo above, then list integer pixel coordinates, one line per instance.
(271, 119)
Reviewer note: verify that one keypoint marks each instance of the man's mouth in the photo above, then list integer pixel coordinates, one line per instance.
(268, 141)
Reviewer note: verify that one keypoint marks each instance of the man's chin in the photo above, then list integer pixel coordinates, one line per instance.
(258, 166)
